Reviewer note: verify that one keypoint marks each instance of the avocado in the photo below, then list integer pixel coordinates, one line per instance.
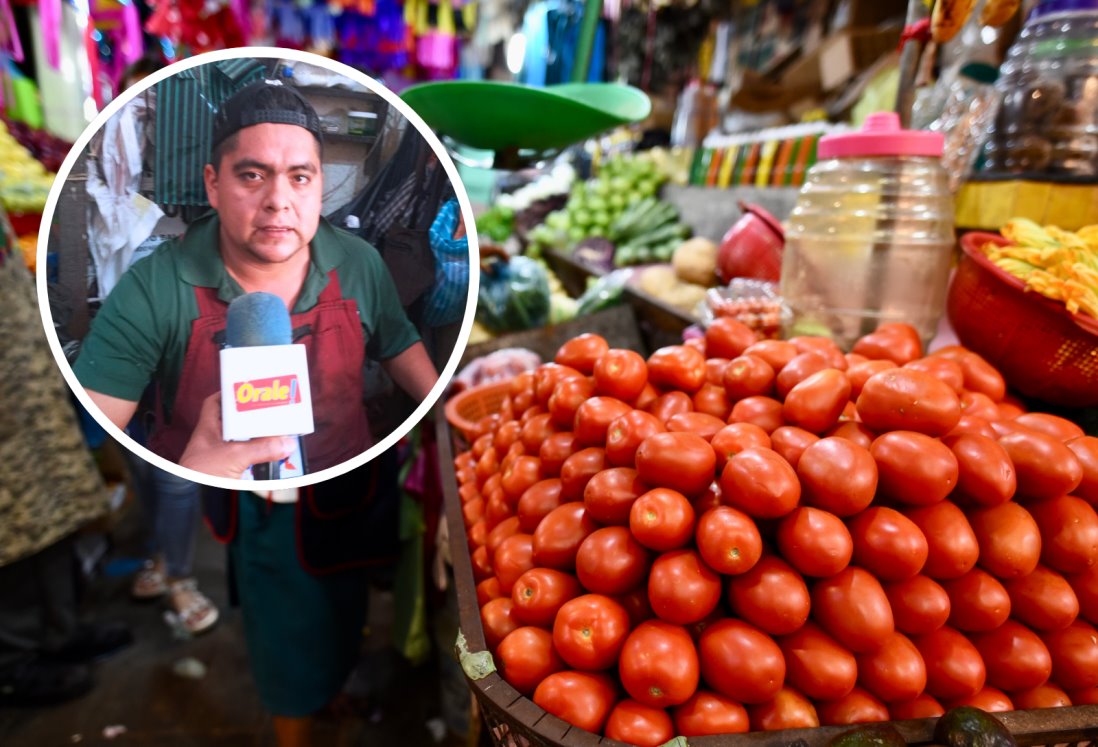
(871, 735)
(966, 726)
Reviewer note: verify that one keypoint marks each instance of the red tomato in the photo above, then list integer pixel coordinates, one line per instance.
(888, 543)
(487, 465)
(728, 540)
(526, 657)
(482, 564)
(700, 423)
(978, 404)
(536, 503)
(637, 724)
(711, 399)
(1015, 657)
(610, 561)
(787, 710)
(546, 378)
(856, 707)
(478, 534)
(1086, 451)
(977, 601)
(647, 396)
(609, 495)
(914, 468)
(975, 425)
(741, 662)
(487, 590)
(621, 374)
(1010, 407)
(714, 370)
(1059, 428)
(554, 450)
(500, 532)
(1044, 466)
(659, 664)
(824, 346)
(473, 511)
(815, 542)
(734, 438)
(582, 699)
(852, 607)
(893, 340)
(1084, 696)
(496, 510)
(539, 593)
(748, 376)
(559, 535)
(589, 631)
(924, 706)
(581, 352)
(778, 353)
(988, 699)
(854, 431)
(498, 620)
(760, 483)
(1043, 600)
(507, 434)
(1044, 696)
(838, 476)
(626, 433)
(636, 604)
(947, 371)
(677, 367)
(985, 474)
(682, 589)
(594, 417)
(1074, 653)
(727, 338)
(951, 543)
(513, 557)
(1010, 542)
(708, 713)
(770, 596)
(954, 668)
(790, 442)
(817, 665)
(980, 376)
(1085, 585)
(535, 430)
(816, 403)
(902, 399)
(895, 672)
(1069, 533)
(681, 461)
(762, 411)
(919, 605)
(797, 370)
(566, 399)
(578, 469)
(860, 373)
(662, 520)
(711, 498)
(665, 406)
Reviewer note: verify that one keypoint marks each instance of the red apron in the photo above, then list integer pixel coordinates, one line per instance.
(335, 349)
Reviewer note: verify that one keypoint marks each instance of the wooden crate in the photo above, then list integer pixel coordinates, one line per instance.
(512, 720)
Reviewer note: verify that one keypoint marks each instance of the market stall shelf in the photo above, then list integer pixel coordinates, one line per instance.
(512, 720)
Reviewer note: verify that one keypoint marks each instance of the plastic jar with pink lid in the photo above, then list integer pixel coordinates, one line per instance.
(871, 237)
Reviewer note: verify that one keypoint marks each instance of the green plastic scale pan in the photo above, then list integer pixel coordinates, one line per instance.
(513, 118)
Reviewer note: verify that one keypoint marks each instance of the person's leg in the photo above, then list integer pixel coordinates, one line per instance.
(149, 582)
(177, 522)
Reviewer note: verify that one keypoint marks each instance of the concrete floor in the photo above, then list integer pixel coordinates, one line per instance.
(137, 688)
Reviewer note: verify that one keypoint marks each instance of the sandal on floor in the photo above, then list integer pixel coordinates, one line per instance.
(149, 583)
(196, 613)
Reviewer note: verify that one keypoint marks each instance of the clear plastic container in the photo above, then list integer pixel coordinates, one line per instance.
(1048, 122)
(871, 236)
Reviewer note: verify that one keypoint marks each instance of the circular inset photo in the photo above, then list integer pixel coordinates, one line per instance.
(254, 268)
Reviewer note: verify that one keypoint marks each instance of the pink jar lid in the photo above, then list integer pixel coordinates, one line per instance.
(881, 135)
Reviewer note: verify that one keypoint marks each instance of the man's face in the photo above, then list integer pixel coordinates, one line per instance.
(267, 192)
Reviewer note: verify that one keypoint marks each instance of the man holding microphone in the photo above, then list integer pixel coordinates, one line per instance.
(164, 322)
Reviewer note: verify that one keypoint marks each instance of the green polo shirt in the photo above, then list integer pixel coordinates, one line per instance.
(142, 331)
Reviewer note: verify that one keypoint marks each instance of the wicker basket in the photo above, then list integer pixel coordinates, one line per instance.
(464, 410)
(512, 720)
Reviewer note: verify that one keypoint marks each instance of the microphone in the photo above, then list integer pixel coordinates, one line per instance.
(264, 379)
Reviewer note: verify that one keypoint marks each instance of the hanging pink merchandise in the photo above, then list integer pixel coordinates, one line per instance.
(49, 13)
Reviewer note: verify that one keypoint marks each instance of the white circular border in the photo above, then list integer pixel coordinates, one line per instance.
(260, 53)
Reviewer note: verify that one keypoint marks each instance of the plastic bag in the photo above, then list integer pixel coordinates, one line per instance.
(603, 293)
(446, 300)
(755, 303)
(514, 295)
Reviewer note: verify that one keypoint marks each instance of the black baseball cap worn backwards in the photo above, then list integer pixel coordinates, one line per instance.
(266, 101)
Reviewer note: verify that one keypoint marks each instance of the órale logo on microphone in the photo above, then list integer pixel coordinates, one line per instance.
(258, 394)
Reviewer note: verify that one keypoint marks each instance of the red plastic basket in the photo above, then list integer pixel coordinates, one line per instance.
(1042, 350)
(464, 410)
